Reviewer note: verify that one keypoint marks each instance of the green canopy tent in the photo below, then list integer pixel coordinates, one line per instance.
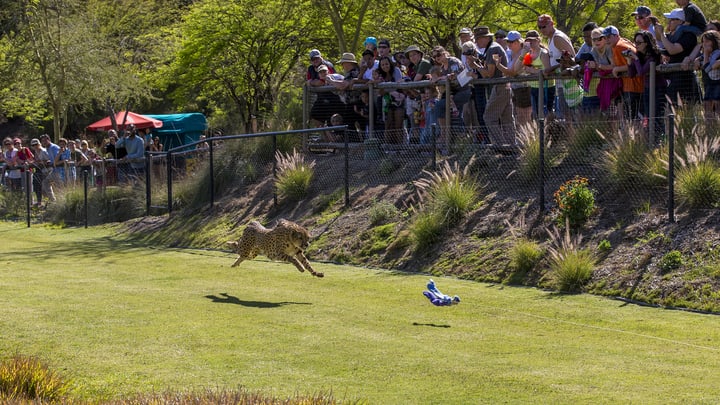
(179, 129)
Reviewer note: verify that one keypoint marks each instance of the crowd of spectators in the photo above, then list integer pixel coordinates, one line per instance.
(117, 159)
(607, 75)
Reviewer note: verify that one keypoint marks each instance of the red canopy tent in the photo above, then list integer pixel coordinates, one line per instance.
(140, 122)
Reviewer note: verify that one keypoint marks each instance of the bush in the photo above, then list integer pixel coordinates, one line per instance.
(575, 201)
(382, 212)
(604, 246)
(672, 260)
(27, 378)
(294, 175)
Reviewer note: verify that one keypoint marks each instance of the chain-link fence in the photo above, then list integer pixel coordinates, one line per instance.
(525, 148)
(531, 134)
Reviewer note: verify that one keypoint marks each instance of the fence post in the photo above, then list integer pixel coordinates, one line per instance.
(28, 192)
(671, 168)
(274, 145)
(148, 183)
(347, 167)
(85, 197)
(541, 169)
(433, 134)
(652, 110)
(212, 175)
(169, 182)
(371, 112)
(541, 96)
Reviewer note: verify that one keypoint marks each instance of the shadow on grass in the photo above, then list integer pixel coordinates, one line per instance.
(433, 325)
(229, 299)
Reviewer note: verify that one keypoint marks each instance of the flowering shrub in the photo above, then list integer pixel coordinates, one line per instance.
(575, 201)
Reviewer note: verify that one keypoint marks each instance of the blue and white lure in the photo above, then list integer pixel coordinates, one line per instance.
(437, 298)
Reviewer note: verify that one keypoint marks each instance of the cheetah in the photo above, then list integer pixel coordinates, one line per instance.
(285, 242)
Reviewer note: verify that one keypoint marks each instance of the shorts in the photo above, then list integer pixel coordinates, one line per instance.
(521, 97)
(712, 89)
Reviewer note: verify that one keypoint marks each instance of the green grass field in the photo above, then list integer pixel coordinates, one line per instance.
(119, 319)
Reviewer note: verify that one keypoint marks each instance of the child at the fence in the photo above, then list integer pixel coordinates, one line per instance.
(429, 100)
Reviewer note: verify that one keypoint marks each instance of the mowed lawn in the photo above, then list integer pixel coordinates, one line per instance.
(120, 318)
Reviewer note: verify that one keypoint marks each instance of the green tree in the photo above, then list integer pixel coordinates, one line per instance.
(237, 57)
(348, 21)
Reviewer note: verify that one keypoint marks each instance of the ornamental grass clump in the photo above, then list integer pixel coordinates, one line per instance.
(450, 192)
(571, 266)
(27, 378)
(445, 197)
(698, 177)
(529, 162)
(630, 162)
(294, 175)
(575, 201)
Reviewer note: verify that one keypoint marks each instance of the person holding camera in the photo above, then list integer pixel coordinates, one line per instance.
(498, 115)
(448, 68)
(679, 43)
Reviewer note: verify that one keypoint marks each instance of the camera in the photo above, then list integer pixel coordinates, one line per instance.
(469, 52)
(627, 52)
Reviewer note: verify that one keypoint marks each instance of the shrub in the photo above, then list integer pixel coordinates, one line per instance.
(604, 246)
(672, 260)
(450, 193)
(27, 378)
(571, 267)
(575, 201)
(294, 175)
(382, 212)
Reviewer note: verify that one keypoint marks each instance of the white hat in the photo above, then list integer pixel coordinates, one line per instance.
(676, 14)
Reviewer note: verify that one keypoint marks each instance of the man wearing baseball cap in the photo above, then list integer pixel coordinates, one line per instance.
(679, 43)
(316, 60)
(645, 20)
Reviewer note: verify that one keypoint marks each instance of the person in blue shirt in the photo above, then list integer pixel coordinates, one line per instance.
(135, 147)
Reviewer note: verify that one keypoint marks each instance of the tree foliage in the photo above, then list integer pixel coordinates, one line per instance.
(243, 58)
(66, 60)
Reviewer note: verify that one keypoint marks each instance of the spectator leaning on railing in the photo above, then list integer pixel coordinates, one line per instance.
(135, 147)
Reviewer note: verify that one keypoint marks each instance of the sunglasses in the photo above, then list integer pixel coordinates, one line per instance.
(8, 143)
(383, 46)
(541, 27)
(597, 39)
(639, 17)
(639, 42)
